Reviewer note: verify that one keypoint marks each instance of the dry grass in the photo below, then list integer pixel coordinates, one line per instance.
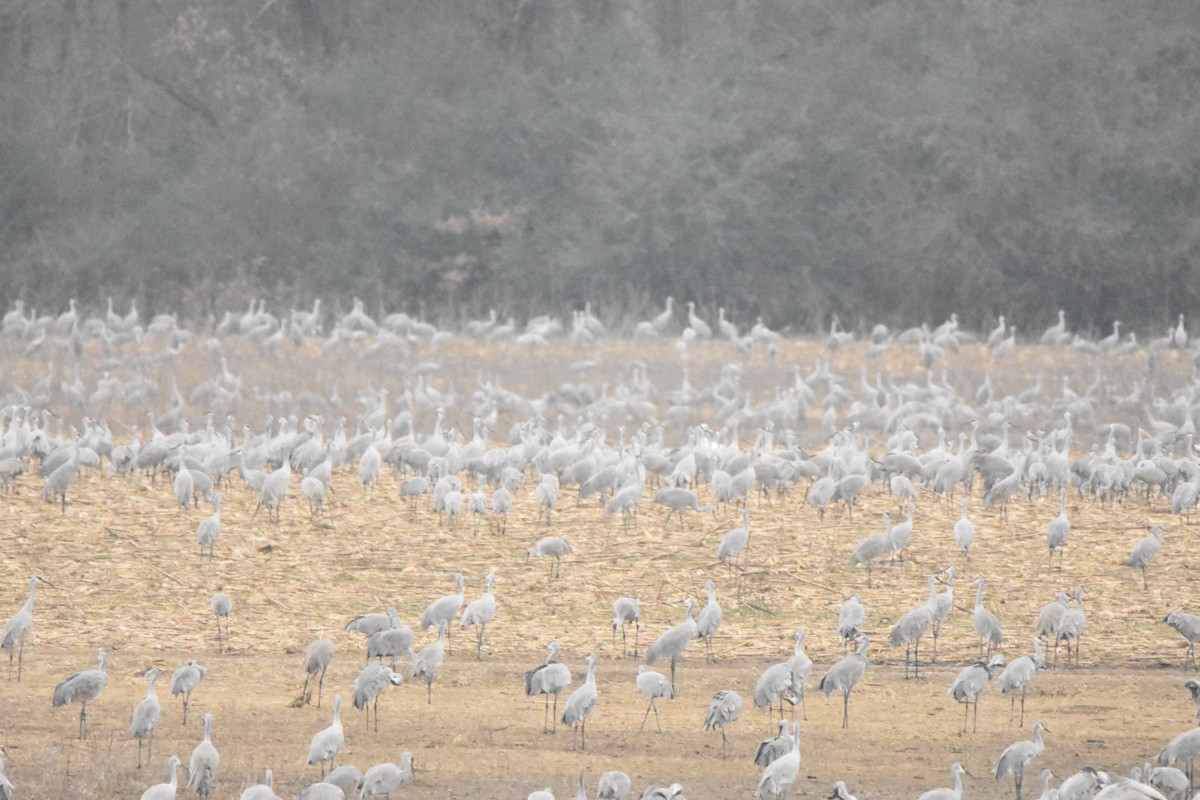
(129, 580)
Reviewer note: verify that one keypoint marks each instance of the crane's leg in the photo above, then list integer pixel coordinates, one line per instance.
(637, 632)
(449, 647)
(1012, 707)
(803, 705)
(846, 709)
(1022, 706)
(546, 717)
(321, 686)
(186, 697)
(646, 716)
(868, 574)
(975, 719)
(937, 627)
(917, 659)
(139, 766)
(673, 659)
(83, 721)
(429, 690)
(966, 708)
(20, 659)
(1145, 580)
(583, 732)
(657, 724)
(555, 729)
(376, 704)
(149, 748)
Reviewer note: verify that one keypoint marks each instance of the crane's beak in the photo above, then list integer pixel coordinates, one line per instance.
(48, 583)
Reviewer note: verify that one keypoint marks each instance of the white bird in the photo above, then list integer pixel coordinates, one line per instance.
(675, 790)
(383, 779)
(841, 792)
(734, 541)
(548, 678)
(964, 531)
(970, 683)
(444, 609)
(1058, 529)
(775, 685)
(327, 743)
(779, 776)
(83, 687)
(347, 778)
(581, 702)
(184, 682)
(985, 622)
(480, 612)
(850, 619)
(17, 628)
(165, 791)
(204, 763)
(1017, 757)
(146, 716)
(774, 747)
(653, 685)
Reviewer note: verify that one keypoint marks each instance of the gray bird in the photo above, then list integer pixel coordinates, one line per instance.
(184, 682)
(347, 778)
(370, 683)
(383, 779)
(1072, 626)
(1017, 757)
(445, 609)
(367, 624)
(674, 641)
(328, 741)
(735, 541)
(943, 607)
(724, 708)
(146, 716)
(985, 622)
(548, 678)
(392, 642)
(1058, 529)
(1083, 785)
(222, 606)
(613, 785)
(1184, 747)
(964, 531)
(909, 629)
(317, 659)
(625, 611)
(801, 666)
(850, 619)
(678, 500)
(17, 628)
(709, 621)
(1188, 626)
(970, 683)
(204, 763)
(581, 702)
(260, 791)
(841, 792)
(956, 773)
(1017, 676)
(1050, 617)
(479, 613)
(1144, 551)
(775, 746)
(845, 675)
(554, 547)
(653, 685)
(210, 527)
(165, 791)
(1194, 687)
(7, 790)
(428, 661)
(780, 775)
(872, 547)
(82, 687)
(671, 792)
(323, 790)
(774, 686)
(1171, 782)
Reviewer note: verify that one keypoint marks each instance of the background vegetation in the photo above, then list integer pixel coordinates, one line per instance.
(883, 160)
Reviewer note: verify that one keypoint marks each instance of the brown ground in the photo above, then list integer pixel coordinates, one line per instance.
(129, 579)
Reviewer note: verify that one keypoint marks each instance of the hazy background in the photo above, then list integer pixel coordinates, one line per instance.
(888, 161)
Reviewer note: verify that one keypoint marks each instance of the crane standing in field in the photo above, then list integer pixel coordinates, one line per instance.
(1017, 757)
(146, 716)
(548, 678)
(16, 629)
(1188, 626)
(222, 606)
(582, 702)
(625, 611)
(674, 641)
(445, 609)
(184, 682)
(480, 612)
(709, 621)
(317, 659)
(83, 687)
(970, 683)
(1144, 551)
(204, 763)
(370, 683)
(1017, 676)
(985, 622)
(845, 675)
(428, 661)
(653, 685)
(327, 742)
(165, 791)
(724, 708)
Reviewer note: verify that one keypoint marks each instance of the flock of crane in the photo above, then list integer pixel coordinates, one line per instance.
(917, 441)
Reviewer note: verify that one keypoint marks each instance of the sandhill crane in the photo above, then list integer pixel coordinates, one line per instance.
(901, 534)
(985, 622)
(17, 628)
(724, 708)
(841, 792)
(653, 685)
(222, 606)
(1194, 688)
(146, 716)
(943, 607)
(327, 742)
(775, 685)
(347, 777)
(324, 790)
(383, 779)
(502, 503)
(801, 666)
(581, 702)
(210, 527)
(1072, 626)
(7, 790)
(1188, 626)
(548, 678)
(1171, 782)
(850, 619)
(1144, 551)
(625, 611)
(551, 546)
(709, 621)
(734, 541)
(1083, 785)
(674, 641)
(317, 659)
(391, 642)
(274, 491)
(1058, 529)
(613, 785)
(845, 675)
(444, 609)
(1049, 618)
(675, 790)
(1017, 676)
(779, 776)
(480, 612)
(428, 661)
(970, 683)
(956, 773)
(678, 500)
(872, 547)
(773, 747)
(964, 531)
(1184, 747)
(372, 681)
(260, 791)
(911, 627)
(184, 682)
(204, 763)
(83, 687)
(165, 791)
(1017, 757)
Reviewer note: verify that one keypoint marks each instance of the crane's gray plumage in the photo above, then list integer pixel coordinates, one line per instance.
(372, 681)
(1171, 782)
(674, 641)
(323, 790)
(428, 661)
(734, 541)
(1183, 748)
(1017, 676)
(985, 622)
(1188, 626)
(964, 531)
(845, 675)
(260, 791)
(17, 628)
(1072, 626)
(625, 611)
(222, 606)
(1017, 757)
(841, 792)
(662, 792)
(1083, 785)
(146, 716)
(393, 641)
(1194, 687)
(581, 702)
(184, 682)
(775, 685)
(82, 687)
(872, 547)
(317, 659)
(327, 742)
(909, 629)
(780, 775)
(204, 763)
(383, 779)
(445, 609)
(165, 791)
(613, 785)
(850, 619)
(653, 685)
(210, 527)
(1144, 551)
(548, 678)
(956, 773)
(709, 621)
(970, 683)
(480, 612)
(801, 666)
(772, 748)
(551, 546)
(347, 777)
(1058, 529)
(367, 624)
(724, 708)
